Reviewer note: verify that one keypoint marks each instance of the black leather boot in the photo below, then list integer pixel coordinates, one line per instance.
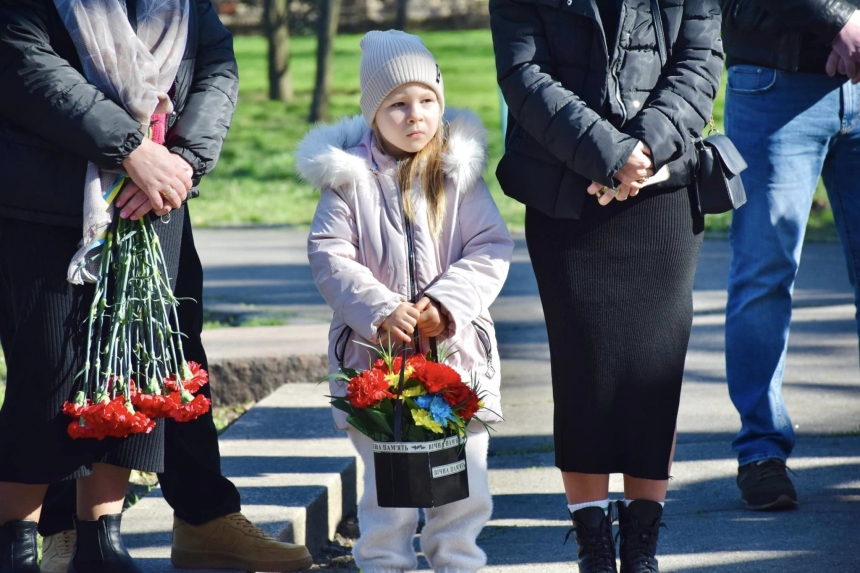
(639, 526)
(592, 528)
(18, 547)
(99, 548)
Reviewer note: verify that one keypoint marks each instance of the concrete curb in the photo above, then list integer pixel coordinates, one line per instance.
(243, 380)
(247, 364)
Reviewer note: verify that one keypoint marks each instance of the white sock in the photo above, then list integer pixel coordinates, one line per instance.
(602, 504)
(627, 502)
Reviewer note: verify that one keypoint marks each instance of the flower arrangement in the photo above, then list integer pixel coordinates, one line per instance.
(135, 369)
(437, 403)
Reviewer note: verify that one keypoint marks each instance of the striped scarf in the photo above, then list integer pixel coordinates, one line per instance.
(135, 70)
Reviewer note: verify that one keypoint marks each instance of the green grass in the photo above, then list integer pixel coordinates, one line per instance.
(255, 181)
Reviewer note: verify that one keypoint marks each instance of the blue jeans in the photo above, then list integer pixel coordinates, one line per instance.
(790, 128)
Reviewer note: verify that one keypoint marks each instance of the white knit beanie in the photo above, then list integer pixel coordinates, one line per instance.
(391, 59)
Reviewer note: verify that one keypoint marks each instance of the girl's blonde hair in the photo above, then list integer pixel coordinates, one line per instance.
(426, 167)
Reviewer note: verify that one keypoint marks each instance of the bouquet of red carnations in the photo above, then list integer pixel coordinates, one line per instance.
(135, 369)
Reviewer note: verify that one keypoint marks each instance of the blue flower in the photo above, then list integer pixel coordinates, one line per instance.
(437, 406)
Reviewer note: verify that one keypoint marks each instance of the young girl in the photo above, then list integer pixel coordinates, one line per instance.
(407, 239)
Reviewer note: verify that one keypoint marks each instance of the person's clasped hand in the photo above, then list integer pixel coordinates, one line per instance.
(845, 57)
(400, 324)
(632, 175)
(160, 181)
(432, 321)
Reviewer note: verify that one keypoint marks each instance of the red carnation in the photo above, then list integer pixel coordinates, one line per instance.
(109, 418)
(192, 410)
(415, 362)
(463, 400)
(470, 408)
(368, 389)
(437, 377)
(193, 378)
(155, 406)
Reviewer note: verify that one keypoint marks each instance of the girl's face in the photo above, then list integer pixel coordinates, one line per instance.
(408, 119)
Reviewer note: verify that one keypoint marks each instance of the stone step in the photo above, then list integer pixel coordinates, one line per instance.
(297, 475)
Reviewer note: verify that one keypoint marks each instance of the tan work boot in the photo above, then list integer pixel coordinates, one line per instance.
(233, 542)
(56, 551)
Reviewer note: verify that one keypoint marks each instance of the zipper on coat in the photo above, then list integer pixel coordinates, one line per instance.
(487, 346)
(614, 64)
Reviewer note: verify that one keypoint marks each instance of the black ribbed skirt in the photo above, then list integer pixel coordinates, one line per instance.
(616, 289)
(43, 332)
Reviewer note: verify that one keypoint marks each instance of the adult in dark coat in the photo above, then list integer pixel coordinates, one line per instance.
(52, 122)
(599, 147)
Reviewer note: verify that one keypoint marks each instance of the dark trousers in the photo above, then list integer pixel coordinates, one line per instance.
(192, 482)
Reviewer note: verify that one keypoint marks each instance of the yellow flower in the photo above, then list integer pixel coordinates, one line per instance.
(423, 418)
(415, 391)
(393, 380)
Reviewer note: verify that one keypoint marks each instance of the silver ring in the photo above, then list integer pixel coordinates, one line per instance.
(168, 192)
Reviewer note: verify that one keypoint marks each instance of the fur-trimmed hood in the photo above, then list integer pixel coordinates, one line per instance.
(333, 156)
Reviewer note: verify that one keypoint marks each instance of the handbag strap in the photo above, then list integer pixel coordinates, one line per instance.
(661, 35)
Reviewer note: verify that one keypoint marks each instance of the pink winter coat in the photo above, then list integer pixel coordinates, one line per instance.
(359, 251)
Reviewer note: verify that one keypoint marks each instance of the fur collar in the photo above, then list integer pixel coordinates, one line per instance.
(330, 156)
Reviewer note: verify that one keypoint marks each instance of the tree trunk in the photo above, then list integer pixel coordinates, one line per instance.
(402, 16)
(278, 35)
(329, 17)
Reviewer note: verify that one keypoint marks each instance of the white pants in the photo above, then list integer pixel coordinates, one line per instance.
(449, 537)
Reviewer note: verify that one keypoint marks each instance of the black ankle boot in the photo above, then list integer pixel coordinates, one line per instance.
(99, 548)
(18, 547)
(639, 526)
(592, 528)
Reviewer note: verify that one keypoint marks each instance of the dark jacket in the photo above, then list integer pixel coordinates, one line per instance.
(788, 35)
(575, 114)
(52, 121)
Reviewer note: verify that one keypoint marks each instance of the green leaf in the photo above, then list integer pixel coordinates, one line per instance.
(342, 404)
(358, 425)
(380, 420)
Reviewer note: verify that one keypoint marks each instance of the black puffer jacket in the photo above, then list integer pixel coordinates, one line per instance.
(788, 35)
(52, 121)
(575, 116)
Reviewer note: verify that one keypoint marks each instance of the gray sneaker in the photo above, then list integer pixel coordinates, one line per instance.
(765, 485)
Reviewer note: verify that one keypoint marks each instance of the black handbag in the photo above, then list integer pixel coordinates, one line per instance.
(717, 182)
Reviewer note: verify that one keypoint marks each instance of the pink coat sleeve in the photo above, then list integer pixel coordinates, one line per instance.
(475, 278)
(349, 287)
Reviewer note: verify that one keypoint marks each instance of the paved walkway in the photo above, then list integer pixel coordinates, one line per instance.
(265, 271)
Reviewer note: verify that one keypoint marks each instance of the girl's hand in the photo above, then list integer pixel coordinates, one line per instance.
(432, 321)
(637, 169)
(400, 324)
